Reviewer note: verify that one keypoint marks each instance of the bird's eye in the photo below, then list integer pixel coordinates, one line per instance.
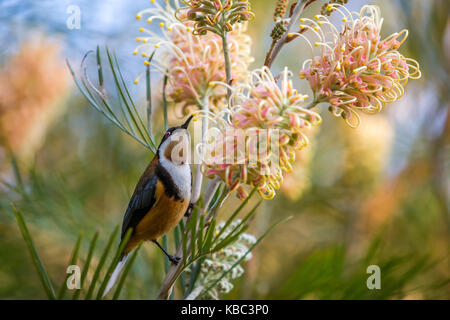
(167, 135)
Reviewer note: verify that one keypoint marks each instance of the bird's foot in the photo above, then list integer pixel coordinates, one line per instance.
(189, 210)
(175, 260)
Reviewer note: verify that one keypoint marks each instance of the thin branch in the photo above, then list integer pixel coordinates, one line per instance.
(298, 10)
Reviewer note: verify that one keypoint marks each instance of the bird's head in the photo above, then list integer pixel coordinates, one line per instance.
(175, 144)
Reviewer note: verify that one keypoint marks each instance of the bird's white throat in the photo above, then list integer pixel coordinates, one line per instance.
(181, 175)
(178, 168)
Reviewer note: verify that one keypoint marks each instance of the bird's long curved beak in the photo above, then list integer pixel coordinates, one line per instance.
(186, 124)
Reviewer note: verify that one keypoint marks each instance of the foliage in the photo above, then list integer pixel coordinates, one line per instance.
(357, 210)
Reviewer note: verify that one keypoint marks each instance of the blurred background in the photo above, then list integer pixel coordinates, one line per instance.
(379, 194)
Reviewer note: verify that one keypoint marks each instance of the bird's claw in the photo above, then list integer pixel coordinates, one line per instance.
(175, 260)
(189, 210)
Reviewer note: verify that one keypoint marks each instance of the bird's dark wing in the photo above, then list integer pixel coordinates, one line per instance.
(143, 199)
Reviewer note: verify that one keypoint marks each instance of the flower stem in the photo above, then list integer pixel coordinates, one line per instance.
(166, 118)
(226, 54)
(312, 104)
(298, 10)
(197, 188)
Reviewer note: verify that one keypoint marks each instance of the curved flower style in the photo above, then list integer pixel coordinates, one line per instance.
(258, 140)
(195, 64)
(216, 16)
(357, 70)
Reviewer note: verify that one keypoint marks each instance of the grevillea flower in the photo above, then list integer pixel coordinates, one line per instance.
(33, 84)
(356, 70)
(281, 7)
(257, 141)
(216, 16)
(214, 265)
(195, 64)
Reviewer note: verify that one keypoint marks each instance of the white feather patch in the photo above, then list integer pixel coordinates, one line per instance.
(115, 275)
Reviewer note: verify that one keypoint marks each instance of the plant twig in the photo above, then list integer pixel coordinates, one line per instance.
(298, 10)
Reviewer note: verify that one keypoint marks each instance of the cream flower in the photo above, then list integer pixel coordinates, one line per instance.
(264, 128)
(357, 69)
(195, 64)
(216, 16)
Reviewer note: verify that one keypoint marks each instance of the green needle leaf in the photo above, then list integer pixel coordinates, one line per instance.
(73, 261)
(101, 263)
(45, 279)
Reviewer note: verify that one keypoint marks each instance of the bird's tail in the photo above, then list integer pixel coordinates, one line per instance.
(115, 274)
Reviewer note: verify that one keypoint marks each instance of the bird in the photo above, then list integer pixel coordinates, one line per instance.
(161, 197)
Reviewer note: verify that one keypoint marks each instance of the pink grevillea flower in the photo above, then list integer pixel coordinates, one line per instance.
(266, 125)
(216, 16)
(357, 69)
(195, 64)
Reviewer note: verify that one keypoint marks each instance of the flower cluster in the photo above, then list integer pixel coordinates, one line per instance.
(33, 82)
(357, 70)
(195, 64)
(280, 9)
(216, 16)
(219, 262)
(265, 127)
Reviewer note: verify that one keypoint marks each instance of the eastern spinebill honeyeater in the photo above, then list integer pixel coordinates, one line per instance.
(161, 197)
